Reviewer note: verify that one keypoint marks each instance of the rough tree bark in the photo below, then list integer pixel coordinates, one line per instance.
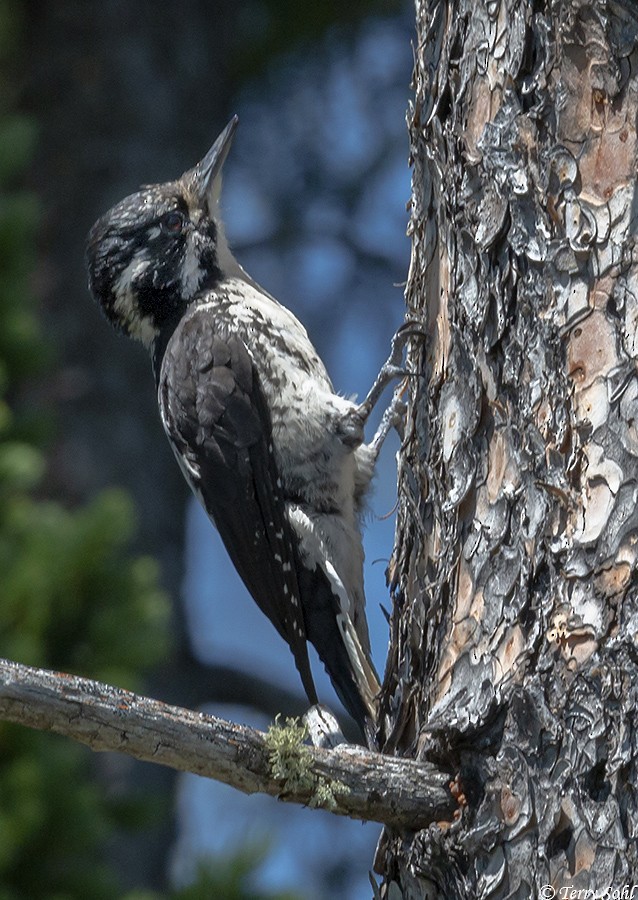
(514, 636)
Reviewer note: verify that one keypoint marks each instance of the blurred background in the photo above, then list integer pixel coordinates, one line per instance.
(107, 567)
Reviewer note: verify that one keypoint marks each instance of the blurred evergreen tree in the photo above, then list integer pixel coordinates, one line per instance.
(121, 92)
(231, 878)
(72, 596)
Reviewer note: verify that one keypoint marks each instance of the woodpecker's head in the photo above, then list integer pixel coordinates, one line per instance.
(154, 251)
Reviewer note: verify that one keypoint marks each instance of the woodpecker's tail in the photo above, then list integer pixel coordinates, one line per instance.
(366, 678)
(330, 630)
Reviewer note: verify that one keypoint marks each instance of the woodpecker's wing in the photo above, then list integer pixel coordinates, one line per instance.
(217, 420)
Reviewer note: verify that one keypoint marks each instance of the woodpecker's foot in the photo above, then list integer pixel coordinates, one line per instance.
(323, 728)
(391, 368)
(393, 417)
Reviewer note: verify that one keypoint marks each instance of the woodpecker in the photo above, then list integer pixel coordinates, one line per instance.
(274, 455)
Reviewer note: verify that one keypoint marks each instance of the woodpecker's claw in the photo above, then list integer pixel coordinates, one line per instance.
(393, 417)
(392, 368)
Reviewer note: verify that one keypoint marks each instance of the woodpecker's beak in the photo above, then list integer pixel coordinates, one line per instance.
(206, 173)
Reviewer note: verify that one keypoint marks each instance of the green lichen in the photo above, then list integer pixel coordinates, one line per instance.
(291, 764)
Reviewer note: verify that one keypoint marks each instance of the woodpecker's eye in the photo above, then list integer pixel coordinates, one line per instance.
(173, 222)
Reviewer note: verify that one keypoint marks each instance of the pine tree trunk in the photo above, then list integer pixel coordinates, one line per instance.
(515, 629)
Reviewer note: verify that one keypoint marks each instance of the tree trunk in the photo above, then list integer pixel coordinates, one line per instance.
(515, 627)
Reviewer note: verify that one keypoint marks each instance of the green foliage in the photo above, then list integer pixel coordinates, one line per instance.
(51, 811)
(72, 596)
(228, 877)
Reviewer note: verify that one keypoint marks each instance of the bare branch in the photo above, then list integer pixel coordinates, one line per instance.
(349, 780)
